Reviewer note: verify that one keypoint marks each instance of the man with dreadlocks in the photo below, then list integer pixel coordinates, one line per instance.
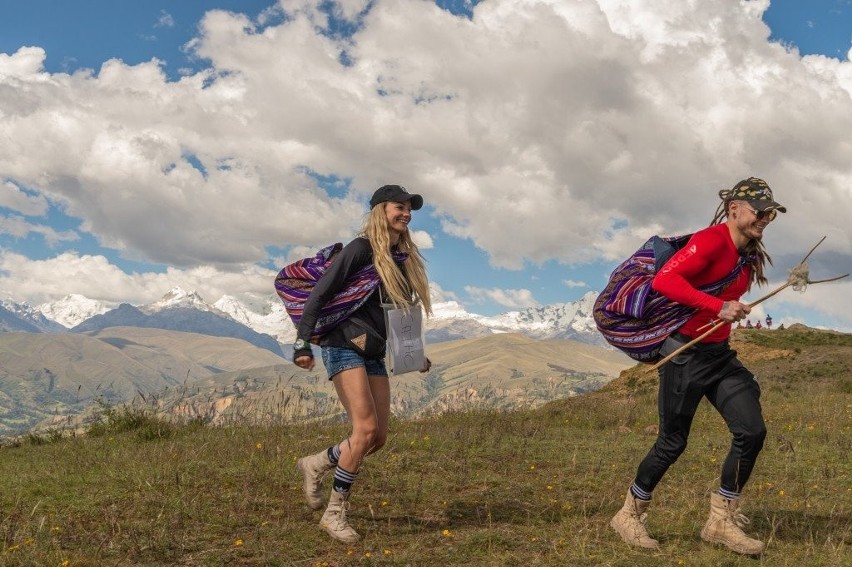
(731, 245)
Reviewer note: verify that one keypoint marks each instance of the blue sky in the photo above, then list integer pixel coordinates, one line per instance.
(257, 136)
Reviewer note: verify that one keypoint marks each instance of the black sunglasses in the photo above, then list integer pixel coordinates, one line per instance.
(759, 215)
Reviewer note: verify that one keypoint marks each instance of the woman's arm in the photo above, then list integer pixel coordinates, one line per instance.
(350, 259)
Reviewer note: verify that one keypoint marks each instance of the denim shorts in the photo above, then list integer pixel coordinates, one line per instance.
(337, 359)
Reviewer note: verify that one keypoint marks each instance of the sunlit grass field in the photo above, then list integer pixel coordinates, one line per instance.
(473, 487)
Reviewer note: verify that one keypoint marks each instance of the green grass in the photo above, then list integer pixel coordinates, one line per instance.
(468, 488)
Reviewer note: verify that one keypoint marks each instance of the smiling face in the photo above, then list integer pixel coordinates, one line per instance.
(747, 221)
(398, 216)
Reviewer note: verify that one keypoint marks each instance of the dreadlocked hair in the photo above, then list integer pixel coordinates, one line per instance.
(407, 285)
(753, 250)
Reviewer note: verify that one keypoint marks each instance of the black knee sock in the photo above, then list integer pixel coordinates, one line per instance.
(334, 454)
(343, 480)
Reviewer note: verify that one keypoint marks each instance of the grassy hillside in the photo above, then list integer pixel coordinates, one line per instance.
(54, 375)
(499, 371)
(533, 487)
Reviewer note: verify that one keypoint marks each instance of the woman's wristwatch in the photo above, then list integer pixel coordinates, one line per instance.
(301, 344)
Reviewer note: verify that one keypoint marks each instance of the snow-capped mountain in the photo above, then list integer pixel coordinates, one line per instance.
(265, 315)
(73, 309)
(22, 317)
(184, 311)
(558, 321)
(175, 298)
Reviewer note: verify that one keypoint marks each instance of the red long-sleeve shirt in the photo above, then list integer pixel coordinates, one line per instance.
(709, 256)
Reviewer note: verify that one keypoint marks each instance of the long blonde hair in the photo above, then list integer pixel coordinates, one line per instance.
(404, 286)
(753, 249)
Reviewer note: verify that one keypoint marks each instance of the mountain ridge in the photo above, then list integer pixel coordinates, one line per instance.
(54, 379)
(265, 315)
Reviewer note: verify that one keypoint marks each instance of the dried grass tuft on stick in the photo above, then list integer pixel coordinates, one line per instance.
(798, 279)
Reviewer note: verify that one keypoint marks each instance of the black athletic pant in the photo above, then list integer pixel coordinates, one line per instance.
(710, 370)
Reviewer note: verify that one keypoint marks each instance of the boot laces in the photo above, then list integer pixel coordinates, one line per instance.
(739, 519)
(342, 521)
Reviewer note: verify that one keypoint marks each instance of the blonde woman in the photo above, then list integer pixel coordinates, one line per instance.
(385, 261)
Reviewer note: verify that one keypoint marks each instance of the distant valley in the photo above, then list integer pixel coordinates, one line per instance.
(56, 380)
(190, 358)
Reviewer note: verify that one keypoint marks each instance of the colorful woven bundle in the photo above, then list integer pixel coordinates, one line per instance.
(295, 282)
(633, 317)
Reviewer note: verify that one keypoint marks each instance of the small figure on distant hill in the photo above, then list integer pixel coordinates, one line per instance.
(758, 325)
(731, 246)
(768, 322)
(353, 352)
(748, 324)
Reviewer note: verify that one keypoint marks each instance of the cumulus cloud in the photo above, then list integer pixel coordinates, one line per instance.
(12, 197)
(19, 227)
(830, 299)
(165, 20)
(510, 298)
(95, 276)
(440, 295)
(422, 239)
(542, 130)
(572, 283)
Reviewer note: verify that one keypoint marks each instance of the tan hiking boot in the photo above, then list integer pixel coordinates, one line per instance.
(724, 526)
(314, 469)
(629, 522)
(334, 519)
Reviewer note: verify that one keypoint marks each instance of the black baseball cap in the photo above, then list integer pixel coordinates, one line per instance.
(397, 194)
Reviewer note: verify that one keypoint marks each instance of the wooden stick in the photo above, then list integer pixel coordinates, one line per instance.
(828, 280)
(808, 255)
(699, 338)
(750, 305)
(710, 331)
(721, 322)
(805, 259)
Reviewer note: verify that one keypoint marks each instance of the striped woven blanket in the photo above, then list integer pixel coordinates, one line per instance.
(295, 282)
(633, 317)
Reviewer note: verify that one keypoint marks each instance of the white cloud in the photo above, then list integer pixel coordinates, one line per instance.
(165, 20)
(12, 197)
(830, 299)
(440, 295)
(422, 239)
(19, 227)
(541, 130)
(572, 283)
(93, 276)
(511, 298)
